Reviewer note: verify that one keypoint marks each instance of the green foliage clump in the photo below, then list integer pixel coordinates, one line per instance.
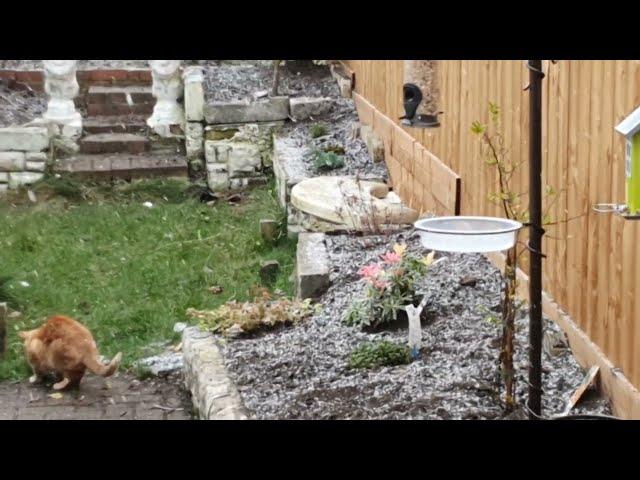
(328, 160)
(318, 130)
(379, 354)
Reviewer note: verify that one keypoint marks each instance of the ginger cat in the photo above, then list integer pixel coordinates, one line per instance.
(66, 348)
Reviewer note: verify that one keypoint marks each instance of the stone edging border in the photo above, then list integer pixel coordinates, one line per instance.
(214, 395)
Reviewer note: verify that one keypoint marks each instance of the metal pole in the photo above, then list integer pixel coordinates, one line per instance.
(535, 238)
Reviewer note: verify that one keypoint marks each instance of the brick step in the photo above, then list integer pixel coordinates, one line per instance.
(115, 124)
(118, 109)
(123, 166)
(119, 95)
(114, 143)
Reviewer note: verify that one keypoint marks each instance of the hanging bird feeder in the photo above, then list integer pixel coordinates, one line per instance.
(421, 94)
(630, 210)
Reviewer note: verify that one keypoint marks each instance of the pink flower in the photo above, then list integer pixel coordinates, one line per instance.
(370, 272)
(391, 257)
(380, 284)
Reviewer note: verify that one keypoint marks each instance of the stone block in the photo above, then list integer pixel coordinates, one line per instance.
(36, 166)
(303, 108)
(193, 94)
(271, 109)
(24, 139)
(312, 265)
(194, 140)
(288, 167)
(17, 179)
(12, 161)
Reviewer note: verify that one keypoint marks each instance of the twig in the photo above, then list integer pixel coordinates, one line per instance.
(170, 409)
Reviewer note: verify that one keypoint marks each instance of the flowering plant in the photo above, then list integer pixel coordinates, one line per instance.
(390, 287)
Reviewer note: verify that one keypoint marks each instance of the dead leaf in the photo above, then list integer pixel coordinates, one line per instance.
(56, 396)
(178, 347)
(32, 196)
(216, 289)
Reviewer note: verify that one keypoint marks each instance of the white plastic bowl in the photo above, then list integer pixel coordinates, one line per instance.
(468, 234)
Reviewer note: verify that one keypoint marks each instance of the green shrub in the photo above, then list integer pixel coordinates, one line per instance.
(379, 354)
(328, 160)
(318, 130)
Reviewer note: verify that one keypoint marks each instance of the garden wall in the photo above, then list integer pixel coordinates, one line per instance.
(23, 155)
(592, 269)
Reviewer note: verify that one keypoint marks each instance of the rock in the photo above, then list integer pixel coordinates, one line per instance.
(193, 94)
(194, 140)
(17, 179)
(468, 281)
(36, 156)
(303, 108)
(312, 265)
(36, 166)
(269, 230)
(554, 343)
(268, 110)
(179, 327)
(288, 167)
(162, 365)
(269, 270)
(24, 139)
(12, 161)
(217, 177)
(239, 157)
(373, 142)
(293, 231)
(4, 177)
(64, 145)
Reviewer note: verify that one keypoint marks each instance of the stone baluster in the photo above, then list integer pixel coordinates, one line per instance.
(167, 88)
(61, 85)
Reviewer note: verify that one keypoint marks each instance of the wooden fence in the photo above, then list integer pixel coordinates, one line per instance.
(592, 269)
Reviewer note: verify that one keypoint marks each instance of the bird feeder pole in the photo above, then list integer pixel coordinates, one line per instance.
(535, 238)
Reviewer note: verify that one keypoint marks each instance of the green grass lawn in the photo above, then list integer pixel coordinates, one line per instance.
(127, 271)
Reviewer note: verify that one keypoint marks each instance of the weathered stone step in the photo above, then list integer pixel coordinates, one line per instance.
(115, 124)
(114, 143)
(124, 166)
(127, 95)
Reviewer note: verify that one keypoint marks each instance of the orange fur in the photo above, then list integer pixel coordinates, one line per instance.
(65, 348)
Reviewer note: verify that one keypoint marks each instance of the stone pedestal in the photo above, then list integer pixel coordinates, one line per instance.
(167, 88)
(62, 87)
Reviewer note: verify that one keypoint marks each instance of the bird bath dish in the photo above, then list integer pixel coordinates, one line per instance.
(468, 234)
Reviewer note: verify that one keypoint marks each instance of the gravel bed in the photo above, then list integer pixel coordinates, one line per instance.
(19, 104)
(230, 81)
(300, 372)
(340, 125)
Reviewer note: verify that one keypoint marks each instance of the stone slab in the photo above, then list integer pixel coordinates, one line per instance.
(312, 265)
(271, 109)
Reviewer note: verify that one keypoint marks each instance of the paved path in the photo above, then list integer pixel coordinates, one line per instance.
(121, 397)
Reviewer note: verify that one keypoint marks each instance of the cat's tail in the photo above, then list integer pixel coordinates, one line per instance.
(94, 365)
